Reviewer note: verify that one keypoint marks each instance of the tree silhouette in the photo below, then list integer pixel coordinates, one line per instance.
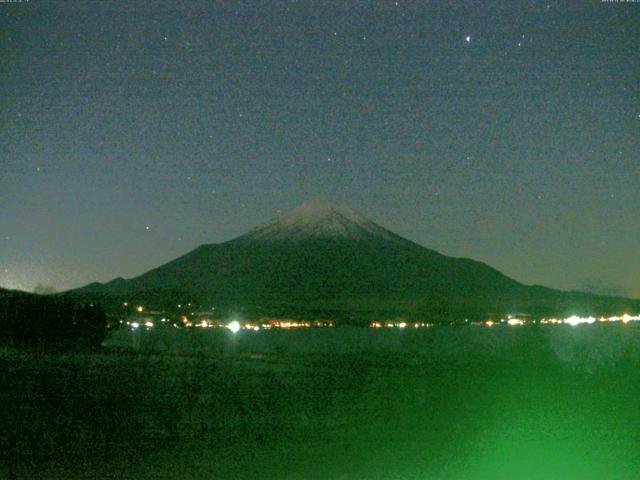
(36, 320)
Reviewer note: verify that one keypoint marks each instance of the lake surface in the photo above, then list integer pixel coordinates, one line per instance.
(444, 403)
(591, 345)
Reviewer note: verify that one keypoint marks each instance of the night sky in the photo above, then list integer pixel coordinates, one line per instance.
(508, 132)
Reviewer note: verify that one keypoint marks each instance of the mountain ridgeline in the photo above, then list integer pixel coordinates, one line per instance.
(321, 261)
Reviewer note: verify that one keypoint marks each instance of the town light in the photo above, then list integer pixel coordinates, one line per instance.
(234, 326)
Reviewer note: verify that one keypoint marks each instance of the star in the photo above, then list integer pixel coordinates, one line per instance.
(467, 39)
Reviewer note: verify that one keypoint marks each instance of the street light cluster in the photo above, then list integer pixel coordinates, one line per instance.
(235, 325)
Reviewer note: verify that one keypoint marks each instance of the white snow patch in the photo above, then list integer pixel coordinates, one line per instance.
(320, 220)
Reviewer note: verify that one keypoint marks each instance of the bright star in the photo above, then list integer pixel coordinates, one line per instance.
(468, 39)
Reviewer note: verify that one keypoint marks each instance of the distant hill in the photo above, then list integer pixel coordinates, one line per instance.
(6, 293)
(327, 261)
(29, 319)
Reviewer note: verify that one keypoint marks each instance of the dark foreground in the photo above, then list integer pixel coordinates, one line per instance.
(524, 413)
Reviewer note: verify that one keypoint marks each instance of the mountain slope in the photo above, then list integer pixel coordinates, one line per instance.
(328, 261)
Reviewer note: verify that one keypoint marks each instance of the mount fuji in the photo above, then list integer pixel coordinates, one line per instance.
(327, 261)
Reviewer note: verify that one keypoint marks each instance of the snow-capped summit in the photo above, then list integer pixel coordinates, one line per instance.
(319, 220)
